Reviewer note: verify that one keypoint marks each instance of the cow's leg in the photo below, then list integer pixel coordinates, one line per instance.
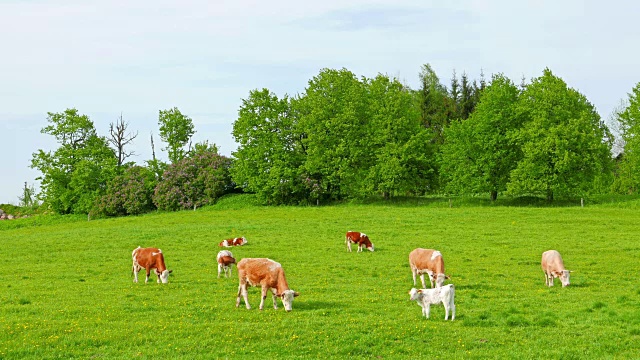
(275, 302)
(158, 275)
(264, 296)
(229, 268)
(135, 269)
(220, 269)
(446, 309)
(359, 247)
(427, 310)
(242, 291)
(453, 309)
(413, 273)
(148, 274)
(424, 286)
(348, 246)
(431, 277)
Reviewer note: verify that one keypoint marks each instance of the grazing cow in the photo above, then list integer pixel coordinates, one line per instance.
(427, 261)
(149, 258)
(553, 267)
(270, 276)
(427, 297)
(239, 241)
(358, 238)
(225, 262)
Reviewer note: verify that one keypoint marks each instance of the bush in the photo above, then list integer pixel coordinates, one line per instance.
(128, 194)
(194, 181)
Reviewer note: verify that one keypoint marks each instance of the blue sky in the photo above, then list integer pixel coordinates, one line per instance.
(138, 57)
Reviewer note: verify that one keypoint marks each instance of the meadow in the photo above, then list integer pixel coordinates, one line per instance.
(66, 287)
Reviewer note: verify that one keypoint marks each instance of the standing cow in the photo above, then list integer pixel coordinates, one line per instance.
(150, 258)
(270, 276)
(553, 267)
(427, 261)
(225, 262)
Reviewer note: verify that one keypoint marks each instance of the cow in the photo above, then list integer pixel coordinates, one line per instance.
(553, 267)
(239, 241)
(358, 238)
(270, 276)
(225, 262)
(427, 297)
(150, 258)
(427, 261)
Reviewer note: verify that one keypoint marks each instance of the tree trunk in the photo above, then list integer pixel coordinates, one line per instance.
(494, 195)
(549, 195)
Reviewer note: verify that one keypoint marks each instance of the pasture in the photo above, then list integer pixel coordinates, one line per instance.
(67, 290)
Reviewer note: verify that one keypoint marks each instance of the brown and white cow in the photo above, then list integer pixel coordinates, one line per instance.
(270, 276)
(239, 241)
(427, 261)
(358, 238)
(149, 258)
(553, 267)
(225, 262)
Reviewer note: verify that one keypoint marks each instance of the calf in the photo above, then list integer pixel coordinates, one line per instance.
(149, 258)
(427, 297)
(358, 238)
(270, 276)
(239, 241)
(225, 262)
(427, 261)
(553, 267)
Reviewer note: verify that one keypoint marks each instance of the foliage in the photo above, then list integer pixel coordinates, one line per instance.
(351, 305)
(128, 194)
(270, 153)
(401, 145)
(479, 153)
(76, 173)
(194, 181)
(434, 103)
(28, 197)
(628, 172)
(176, 130)
(563, 141)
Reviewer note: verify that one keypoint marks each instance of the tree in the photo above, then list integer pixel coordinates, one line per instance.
(28, 197)
(176, 130)
(433, 99)
(479, 153)
(333, 118)
(270, 153)
(128, 194)
(76, 173)
(403, 153)
(627, 116)
(563, 141)
(119, 138)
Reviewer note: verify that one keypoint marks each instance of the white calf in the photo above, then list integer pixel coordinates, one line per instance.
(427, 297)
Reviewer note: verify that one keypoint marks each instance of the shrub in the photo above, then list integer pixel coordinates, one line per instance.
(195, 181)
(128, 194)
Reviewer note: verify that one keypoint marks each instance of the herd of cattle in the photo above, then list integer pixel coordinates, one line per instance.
(269, 275)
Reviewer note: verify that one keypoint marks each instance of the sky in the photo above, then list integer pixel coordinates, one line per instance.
(134, 58)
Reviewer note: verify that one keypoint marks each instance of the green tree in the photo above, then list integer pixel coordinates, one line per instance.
(76, 173)
(479, 153)
(433, 103)
(176, 130)
(403, 153)
(333, 118)
(270, 153)
(628, 117)
(563, 141)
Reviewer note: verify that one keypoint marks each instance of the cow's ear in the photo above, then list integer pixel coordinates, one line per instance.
(447, 277)
(420, 291)
(170, 271)
(296, 294)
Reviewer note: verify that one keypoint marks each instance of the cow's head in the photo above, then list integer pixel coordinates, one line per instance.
(164, 276)
(287, 298)
(414, 294)
(440, 278)
(370, 247)
(564, 277)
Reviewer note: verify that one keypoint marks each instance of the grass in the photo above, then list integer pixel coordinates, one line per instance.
(66, 288)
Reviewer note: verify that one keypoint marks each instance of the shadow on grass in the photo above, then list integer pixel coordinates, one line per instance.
(316, 305)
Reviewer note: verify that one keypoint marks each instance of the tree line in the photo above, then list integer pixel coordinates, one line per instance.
(353, 137)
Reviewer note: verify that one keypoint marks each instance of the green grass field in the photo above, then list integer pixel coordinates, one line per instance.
(67, 290)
